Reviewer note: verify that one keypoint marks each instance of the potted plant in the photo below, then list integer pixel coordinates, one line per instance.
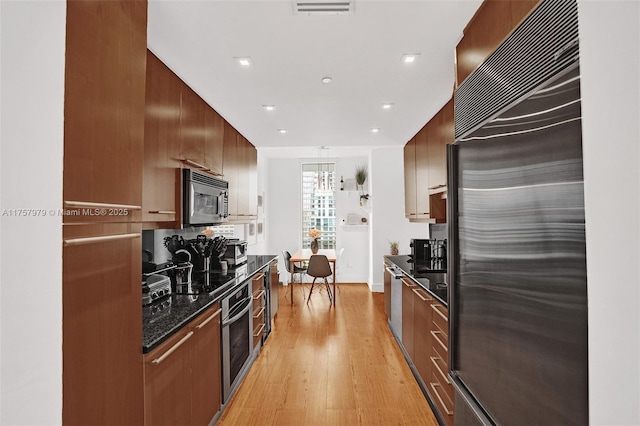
(361, 177)
(394, 248)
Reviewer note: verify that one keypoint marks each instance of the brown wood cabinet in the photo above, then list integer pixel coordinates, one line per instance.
(492, 23)
(182, 376)
(425, 168)
(408, 323)
(240, 170)
(387, 290)
(101, 324)
(206, 379)
(192, 130)
(274, 284)
(422, 336)
(161, 192)
(104, 110)
(102, 371)
(213, 141)
(259, 306)
(440, 388)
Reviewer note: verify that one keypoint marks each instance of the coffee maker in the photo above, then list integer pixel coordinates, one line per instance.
(420, 250)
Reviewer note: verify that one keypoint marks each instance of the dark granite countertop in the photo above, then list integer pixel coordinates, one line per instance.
(163, 318)
(429, 275)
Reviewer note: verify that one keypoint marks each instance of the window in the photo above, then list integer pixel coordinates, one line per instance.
(318, 203)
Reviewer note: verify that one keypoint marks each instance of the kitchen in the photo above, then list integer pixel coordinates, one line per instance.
(37, 91)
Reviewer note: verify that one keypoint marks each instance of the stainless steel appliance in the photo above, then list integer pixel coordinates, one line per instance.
(237, 337)
(395, 319)
(155, 287)
(517, 255)
(205, 198)
(236, 252)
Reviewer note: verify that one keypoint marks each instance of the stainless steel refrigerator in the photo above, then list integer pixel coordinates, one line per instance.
(517, 256)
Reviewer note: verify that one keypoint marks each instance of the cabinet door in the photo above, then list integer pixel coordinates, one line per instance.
(274, 282)
(410, 179)
(491, 24)
(442, 134)
(252, 179)
(206, 366)
(422, 337)
(102, 325)
(387, 291)
(161, 143)
(213, 141)
(422, 174)
(259, 307)
(408, 326)
(104, 109)
(244, 171)
(192, 113)
(167, 382)
(231, 166)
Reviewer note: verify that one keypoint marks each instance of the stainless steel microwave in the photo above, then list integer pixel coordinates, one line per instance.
(205, 199)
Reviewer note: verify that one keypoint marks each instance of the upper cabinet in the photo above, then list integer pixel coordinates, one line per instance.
(192, 130)
(161, 143)
(240, 170)
(104, 111)
(493, 22)
(425, 168)
(182, 130)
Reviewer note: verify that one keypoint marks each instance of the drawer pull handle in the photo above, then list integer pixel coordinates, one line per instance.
(102, 239)
(172, 349)
(162, 211)
(419, 294)
(259, 276)
(259, 332)
(259, 314)
(435, 308)
(101, 205)
(435, 336)
(205, 322)
(433, 360)
(407, 283)
(259, 295)
(435, 391)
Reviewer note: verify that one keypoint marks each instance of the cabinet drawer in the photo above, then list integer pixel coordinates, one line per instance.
(440, 396)
(441, 317)
(440, 374)
(257, 282)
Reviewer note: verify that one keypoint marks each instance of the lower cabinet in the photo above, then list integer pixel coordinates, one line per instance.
(408, 323)
(259, 306)
(274, 283)
(182, 375)
(440, 387)
(422, 336)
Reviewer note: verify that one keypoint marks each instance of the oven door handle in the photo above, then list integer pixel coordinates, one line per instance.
(243, 311)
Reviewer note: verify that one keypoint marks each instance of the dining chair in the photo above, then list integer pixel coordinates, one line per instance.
(319, 267)
(301, 271)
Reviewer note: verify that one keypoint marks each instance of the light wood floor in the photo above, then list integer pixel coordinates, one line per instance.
(325, 365)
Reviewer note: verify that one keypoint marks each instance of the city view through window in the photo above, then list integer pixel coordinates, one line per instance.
(318, 203)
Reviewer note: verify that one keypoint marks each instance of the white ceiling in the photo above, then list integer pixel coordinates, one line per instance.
(292, 52)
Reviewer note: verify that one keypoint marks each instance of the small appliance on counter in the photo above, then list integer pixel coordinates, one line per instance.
(155, 287)
(236, 252)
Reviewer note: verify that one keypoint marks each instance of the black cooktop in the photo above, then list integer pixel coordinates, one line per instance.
(210, 282)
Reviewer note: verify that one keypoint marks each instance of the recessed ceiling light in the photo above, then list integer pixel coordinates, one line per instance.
(269, 107)
(327, 80)
(282, 131)
(409, 58)
(387, 106)
(244, 61)
(375, 130)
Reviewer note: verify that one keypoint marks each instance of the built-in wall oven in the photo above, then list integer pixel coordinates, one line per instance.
(237, 335)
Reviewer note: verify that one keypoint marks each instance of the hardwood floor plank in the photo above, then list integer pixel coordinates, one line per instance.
(330, 365)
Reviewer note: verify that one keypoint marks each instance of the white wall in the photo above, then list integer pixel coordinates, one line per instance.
(609, 46)
(283, 197)
(388, 221)
(32, 82)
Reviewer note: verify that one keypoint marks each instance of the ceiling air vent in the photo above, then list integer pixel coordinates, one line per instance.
(302, 7)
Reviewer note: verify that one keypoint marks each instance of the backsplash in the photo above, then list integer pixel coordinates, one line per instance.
(153, 239)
